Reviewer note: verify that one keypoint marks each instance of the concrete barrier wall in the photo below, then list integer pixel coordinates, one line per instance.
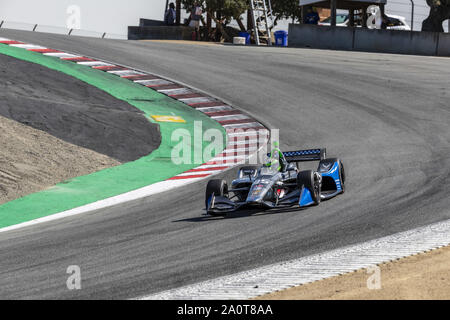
(444, 45)
(304, 35)
(150, 23)
(395, 41)
(160, 33)
(361, 39)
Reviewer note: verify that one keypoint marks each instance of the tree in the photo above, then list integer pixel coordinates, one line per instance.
(286, 9)
(221, 11)
(439, 11)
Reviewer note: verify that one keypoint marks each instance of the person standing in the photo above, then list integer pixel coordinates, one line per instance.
(170, 15)
(312, 17)
(196, 16)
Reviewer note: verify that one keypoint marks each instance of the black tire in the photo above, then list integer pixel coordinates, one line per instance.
(342, 175)
(307, 178)
(217, 186)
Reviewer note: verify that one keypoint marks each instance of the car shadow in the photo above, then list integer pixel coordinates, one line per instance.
(240, 214)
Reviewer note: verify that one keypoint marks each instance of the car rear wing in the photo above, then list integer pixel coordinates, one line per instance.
(305, 155)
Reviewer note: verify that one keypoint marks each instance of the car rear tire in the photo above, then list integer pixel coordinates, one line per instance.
(218, 187)
(308, 180)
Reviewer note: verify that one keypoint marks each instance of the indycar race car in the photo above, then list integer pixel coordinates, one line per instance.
(270, 187)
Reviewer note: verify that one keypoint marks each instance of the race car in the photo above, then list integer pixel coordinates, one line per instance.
(276, 186)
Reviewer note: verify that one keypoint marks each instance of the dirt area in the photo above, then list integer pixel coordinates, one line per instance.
(54, 127)
(32, 160)
(73, 111)
(422, 276)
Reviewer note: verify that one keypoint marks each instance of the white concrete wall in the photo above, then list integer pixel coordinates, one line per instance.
(111, 16)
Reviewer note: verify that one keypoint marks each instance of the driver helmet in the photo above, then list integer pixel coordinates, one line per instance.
(273, 159)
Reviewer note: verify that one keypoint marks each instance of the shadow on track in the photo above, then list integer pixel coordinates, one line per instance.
(240, 214)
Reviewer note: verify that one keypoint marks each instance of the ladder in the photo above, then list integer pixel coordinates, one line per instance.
(262, 20)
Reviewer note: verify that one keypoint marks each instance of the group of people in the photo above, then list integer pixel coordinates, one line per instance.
(194, 18)
(193, 21)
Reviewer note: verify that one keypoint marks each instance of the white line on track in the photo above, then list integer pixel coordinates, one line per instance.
(230, 117)
(197, 100)
(214, 109)
(176, 91)
(95, 63)
(61, 55)
(125, 73)
(153, 82)
(243, 125)
(190, 173)
(27, 46)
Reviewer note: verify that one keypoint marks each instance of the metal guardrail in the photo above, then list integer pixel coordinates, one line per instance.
(59, 30)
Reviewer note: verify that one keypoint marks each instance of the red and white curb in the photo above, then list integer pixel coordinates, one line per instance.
(245, 135)
(280, 276)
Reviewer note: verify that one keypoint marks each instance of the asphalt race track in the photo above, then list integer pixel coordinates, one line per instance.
(386, 116)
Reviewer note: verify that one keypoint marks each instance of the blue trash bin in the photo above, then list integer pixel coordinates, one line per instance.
(281, 38)
(245, 35)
